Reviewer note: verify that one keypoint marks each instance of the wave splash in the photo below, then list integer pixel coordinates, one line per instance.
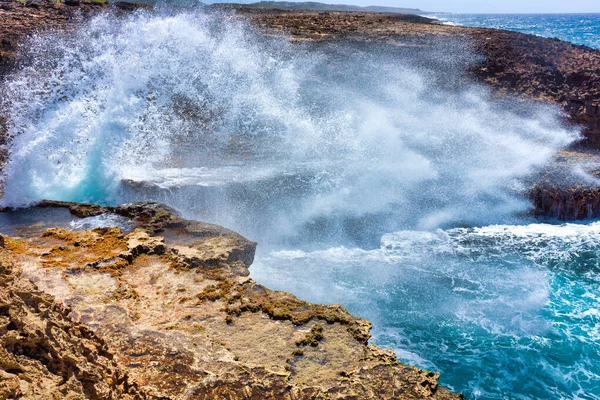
(335, 137)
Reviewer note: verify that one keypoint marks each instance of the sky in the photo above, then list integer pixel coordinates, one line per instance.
(479, 6)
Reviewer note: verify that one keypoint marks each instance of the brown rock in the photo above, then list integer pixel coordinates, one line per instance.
(44, 353)
(566, 203)
(180, 317)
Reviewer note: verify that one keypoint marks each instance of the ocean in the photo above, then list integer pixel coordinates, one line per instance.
(401, 200)
(581, 29)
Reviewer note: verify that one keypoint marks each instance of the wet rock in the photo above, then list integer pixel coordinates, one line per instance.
(153, 217)
(77, 209)
(566, 203)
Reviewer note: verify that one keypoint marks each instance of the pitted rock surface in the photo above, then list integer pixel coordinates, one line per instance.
(44, 353)
(178, 317)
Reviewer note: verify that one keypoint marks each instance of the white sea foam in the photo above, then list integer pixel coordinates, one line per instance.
(442, 20)
(106, 220)
(507, 301)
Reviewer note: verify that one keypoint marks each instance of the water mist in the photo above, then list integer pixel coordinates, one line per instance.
(266, 137)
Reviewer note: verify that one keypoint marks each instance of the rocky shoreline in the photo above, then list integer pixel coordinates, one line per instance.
(163, 308)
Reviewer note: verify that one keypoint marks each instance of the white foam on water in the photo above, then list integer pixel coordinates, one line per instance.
(492, 306)
(442, 20)
(106, 220)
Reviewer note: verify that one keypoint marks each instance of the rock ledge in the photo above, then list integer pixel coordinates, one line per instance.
(165, 309)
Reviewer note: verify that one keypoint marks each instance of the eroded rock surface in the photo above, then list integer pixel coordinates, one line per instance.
(44, 353)
(176, 316)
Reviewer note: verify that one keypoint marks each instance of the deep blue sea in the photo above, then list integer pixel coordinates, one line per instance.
(581, 29)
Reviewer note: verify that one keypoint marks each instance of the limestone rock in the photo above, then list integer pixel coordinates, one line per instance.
(45, 354)
(142, 315)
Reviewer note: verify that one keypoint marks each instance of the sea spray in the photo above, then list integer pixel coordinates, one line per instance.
(340, 140)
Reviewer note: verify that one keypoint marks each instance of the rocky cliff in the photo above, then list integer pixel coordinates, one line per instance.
(160, 307)
(566, 203)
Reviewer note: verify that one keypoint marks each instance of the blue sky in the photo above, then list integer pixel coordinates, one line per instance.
(474, 6)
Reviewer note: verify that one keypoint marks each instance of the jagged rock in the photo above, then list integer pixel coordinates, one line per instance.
(139, 242)
(77, 209)
(211, 244)
(153, 217)
(178, 317)
(566, 203)
(44, 353)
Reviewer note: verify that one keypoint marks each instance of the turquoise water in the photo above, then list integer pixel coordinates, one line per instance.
(504, 312)
(583, 29)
